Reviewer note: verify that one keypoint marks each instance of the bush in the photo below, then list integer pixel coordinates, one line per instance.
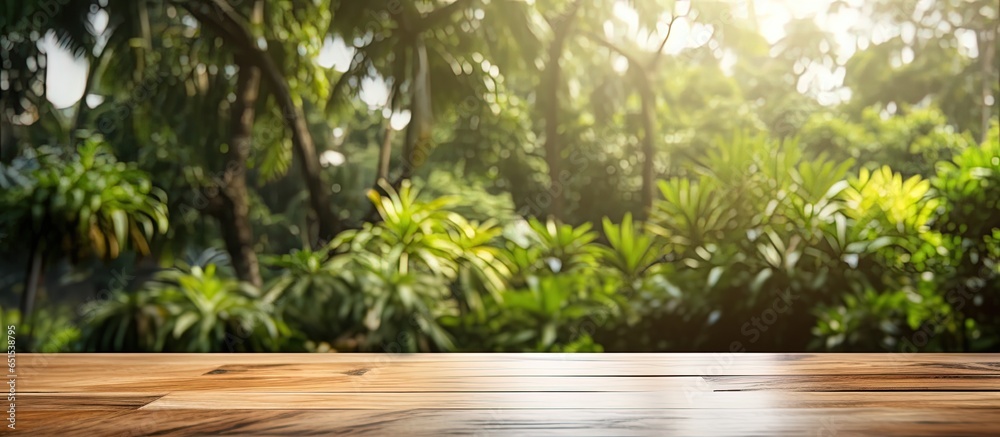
(385, 286)
(760, 249)
(753, 236)
(942, 244)
(84, 204)
(559, 293)
(186, 309)
(54, 330)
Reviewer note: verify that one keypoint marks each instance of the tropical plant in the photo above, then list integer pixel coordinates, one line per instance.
(315, 297)
(82, 205)
(553, 313)
(55, 329)
(912, 140)
(558, 297)
(550, 247)
(186, 309)
(85, 204)
(938, 238)
(757, 228)
(630, 251)
(387, 284)
(536, 132)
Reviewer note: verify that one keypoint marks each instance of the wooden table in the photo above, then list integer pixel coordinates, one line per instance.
(508, 394)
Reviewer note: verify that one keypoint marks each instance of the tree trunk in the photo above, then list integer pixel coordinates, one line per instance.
(985, 41)
(382, 172)
(234, 216)
(305, 151)
(647, 97)
(9, 147)
(228, 24)
(30, 292)
(418, 134)
(384, 154)
(553, 143)
(648, 141)
(145, 37)
(561, 27)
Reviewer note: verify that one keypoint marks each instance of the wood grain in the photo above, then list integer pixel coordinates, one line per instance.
(677, 399)
(631, 422)
(508, 394)
(855, 383)
(85, 401)
(379, 382)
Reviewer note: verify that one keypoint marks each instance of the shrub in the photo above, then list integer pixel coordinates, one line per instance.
(385, 286)
(186, 309)
(939, 238)
(54, 330)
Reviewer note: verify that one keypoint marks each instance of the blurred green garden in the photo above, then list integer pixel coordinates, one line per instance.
(483, 175)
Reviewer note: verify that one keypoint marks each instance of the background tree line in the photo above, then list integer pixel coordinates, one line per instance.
(602, 175)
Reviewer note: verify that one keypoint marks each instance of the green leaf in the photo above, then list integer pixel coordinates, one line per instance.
(183, 322)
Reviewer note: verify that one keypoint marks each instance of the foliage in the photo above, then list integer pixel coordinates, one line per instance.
(316, 299)
(912, 140)
(387, 284)
(947, 240)
(85, 204)
(819, 188)
(55, 329)
(756, 231)
(186, 309)
(557, 292)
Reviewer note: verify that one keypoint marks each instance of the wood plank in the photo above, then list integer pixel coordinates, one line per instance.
(659, 364)
(150, 380)
(696, 422)
(213, 400)
(509, 394)
(534, 368)
(84, 401)
(377, 382)
(855, 383)
(135, 373)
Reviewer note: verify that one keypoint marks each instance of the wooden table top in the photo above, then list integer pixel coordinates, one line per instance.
(508, 394)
